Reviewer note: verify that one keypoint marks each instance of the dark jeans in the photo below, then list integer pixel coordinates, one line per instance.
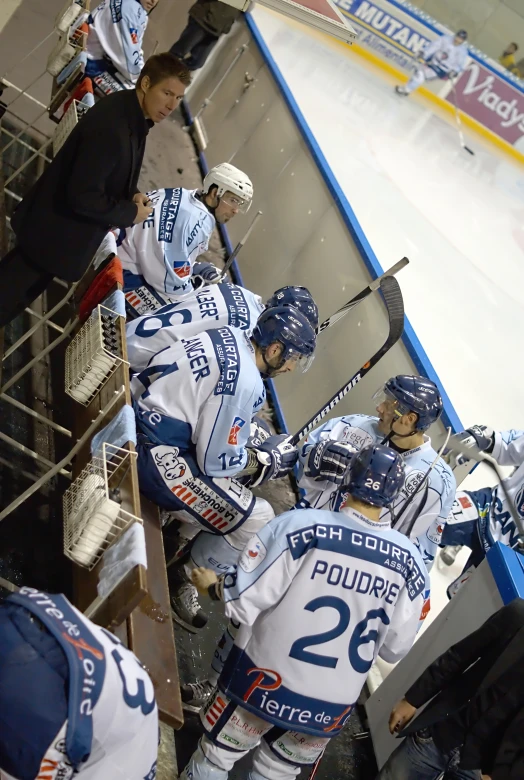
(195, 42)
(418, 758)
(20, 283)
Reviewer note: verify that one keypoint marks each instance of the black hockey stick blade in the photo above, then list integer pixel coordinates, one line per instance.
(372, 286)
(395, 307)
(467, 149)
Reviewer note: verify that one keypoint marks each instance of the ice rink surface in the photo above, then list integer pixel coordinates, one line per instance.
(416, 192)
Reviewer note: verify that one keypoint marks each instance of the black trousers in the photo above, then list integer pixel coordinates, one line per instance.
(195, 42)
(21, 282)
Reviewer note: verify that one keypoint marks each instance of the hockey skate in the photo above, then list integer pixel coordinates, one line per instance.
(186, 610)
(196, 695)
(401, 91)
(449, 554)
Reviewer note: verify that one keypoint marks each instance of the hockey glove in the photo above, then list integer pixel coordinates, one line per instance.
(329, 460)
(276, 457)
(209, 272)
(479, 436)
(259, 431)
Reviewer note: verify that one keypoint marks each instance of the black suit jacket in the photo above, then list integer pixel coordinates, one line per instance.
(86, 190)
(462, 675)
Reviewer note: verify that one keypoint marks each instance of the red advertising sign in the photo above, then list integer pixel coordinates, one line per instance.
(491, 101)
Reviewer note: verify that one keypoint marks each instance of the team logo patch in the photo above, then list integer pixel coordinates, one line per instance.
(182, 269)
(133, 32)
(238, 424)
(253, 555)
(427, 606)
(465, 502)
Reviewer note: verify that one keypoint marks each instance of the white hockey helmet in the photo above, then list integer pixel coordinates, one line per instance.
(227, 178)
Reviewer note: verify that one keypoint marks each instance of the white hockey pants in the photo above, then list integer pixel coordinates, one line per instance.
(419, 77)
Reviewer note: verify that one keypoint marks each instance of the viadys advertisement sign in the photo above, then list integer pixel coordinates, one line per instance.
(492, 102)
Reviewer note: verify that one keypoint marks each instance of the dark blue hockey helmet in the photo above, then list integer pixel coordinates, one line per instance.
(462, 34)
(300, 298)
(291, 329)
(376, 475)
(413, 394)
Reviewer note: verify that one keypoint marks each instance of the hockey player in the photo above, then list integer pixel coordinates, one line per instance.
(406, 407)
(444, 58)
(318, 596)
(114, 43)
(209, 307)
(195, 402)
(159, 257)
(480, 518)
(73, 700)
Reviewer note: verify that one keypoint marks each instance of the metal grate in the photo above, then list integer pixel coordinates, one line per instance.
(74, 113)
(94, 355)
(93, 515)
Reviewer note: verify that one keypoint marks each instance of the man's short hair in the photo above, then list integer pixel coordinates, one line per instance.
(164, 66)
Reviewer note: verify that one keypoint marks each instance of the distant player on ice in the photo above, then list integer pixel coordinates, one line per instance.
(159, 256)
(444, 58)
(195, 402)
(406, 407)
(318, 596)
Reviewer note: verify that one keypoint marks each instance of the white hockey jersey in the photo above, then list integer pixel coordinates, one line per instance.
(116, 31)
(165, 246)
(112, 713)
(425, 516)
(319, 595)
(480, 518)
(201, 393)
(443, 53)
(214, 306)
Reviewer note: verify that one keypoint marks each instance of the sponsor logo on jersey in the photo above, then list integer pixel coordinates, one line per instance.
(133, 32)
(427, 606)
(116, 10)
(238, 424)
(182, 268)
(172, 466)
(215, 709)
(464, 502)
(356, 436)
(142, 301)
(253, 555)
(194, 232)
(168, 214)
(237, 308)
(226, 351)
(519, 501)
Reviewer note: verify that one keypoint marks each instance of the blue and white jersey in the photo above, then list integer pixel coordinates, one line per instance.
(425, 516)
(165, 246)
(214, 306)
(112, 726)
(201, 394)
(319, 595)
(116, 32)
(480, 518)
(445, 56)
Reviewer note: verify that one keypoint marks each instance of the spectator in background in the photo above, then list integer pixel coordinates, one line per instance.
(90, 186)
(507, 60)
(116, 33)
(473, 726)
(208, 20)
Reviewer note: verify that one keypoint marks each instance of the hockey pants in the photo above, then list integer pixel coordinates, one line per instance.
(232, 731)
(226, 511)
(419, 77)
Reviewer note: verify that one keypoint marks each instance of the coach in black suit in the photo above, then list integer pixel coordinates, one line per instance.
(90, 187)
(473, 725)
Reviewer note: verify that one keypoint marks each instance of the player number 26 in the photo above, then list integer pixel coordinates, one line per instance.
(372, 485)
(358, 637)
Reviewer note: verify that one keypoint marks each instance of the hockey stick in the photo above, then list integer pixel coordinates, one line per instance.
(374, 285)
(395, 307)
(473, 453)
(238, 247)
(458, 121)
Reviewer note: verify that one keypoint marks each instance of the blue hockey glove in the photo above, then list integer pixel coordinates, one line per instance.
(259, 431)
(329, 460)
(209, 272)
(276, 457)
(479, 436)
